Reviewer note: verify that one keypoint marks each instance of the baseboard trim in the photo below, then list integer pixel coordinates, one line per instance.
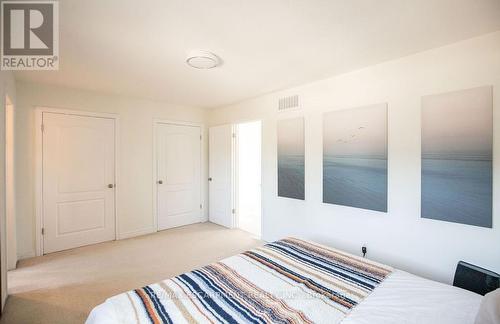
(26, 255)
(143, 231)
(135, 233)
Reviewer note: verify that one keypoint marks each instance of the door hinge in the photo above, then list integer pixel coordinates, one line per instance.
(201, 206)
(43, 231)
(42, 127)
(233, 211)
(200, 137)
(234, 135)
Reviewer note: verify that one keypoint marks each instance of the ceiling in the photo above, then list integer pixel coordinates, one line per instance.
(138, 48)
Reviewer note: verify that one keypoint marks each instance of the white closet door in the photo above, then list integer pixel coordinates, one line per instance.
(179, 175)
(220, 175)
(78, 181)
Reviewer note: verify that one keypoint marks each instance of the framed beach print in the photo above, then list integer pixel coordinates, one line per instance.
(291, 160)
(355, 157)
(457, 156)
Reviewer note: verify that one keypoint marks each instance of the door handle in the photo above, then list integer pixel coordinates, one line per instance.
(111, 186)
(160, 181)
(209, 179)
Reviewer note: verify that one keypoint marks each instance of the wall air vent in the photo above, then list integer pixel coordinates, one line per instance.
(288, 103)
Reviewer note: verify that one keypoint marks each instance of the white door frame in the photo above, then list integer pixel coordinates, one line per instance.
(10, 211)
(156, 122)
(39, 165)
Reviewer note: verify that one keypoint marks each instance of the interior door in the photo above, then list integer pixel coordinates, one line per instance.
(179, 175)
(220, 175)
(78, 181)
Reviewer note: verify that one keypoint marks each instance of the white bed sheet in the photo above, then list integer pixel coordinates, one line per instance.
(404, 298)
(401, 298)
(102, 314)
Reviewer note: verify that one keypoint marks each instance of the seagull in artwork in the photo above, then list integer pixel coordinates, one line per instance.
(353, 137)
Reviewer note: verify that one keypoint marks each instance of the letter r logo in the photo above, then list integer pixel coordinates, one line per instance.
(28, 28)
(18, 25)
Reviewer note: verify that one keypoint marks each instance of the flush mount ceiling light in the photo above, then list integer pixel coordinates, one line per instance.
(202, 60)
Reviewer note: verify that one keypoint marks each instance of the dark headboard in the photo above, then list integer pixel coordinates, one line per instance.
(476, 279)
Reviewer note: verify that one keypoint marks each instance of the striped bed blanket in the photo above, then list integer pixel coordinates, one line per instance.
(288, 281)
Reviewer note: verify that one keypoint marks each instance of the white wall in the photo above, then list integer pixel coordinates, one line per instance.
(400, 238)
(135, 192)
(7, 88)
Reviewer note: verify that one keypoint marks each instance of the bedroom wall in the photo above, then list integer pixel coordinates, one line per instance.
(400, 237)
(135, 194)
(7, 88)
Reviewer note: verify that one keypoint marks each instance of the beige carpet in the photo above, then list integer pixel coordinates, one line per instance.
(63, 287)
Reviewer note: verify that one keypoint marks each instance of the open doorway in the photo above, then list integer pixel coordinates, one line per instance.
(248, 177)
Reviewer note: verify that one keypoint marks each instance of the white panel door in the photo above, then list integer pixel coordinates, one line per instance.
(220, 175)
(78, 181)
(179, 175)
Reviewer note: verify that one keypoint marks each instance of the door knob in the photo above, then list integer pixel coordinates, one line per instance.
(209, 179)
(160, 182)
(111, 186)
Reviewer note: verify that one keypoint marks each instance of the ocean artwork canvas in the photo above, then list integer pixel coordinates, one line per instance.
(355, 157)
(291, 158)
(457, 156)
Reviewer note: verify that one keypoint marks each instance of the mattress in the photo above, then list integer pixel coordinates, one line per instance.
(292, 281)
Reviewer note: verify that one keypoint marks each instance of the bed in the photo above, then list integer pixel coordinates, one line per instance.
(292, 281)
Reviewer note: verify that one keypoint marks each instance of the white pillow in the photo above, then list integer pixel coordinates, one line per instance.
(489, 310)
